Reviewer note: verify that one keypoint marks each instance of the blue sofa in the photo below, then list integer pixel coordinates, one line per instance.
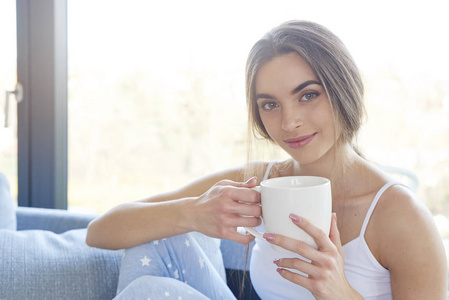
(47, 258)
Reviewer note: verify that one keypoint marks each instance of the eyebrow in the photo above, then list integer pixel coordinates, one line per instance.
(303, 85)
(294, 91)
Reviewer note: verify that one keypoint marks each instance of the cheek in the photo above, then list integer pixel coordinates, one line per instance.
(330, 124)
(336, 126)
(271, 126)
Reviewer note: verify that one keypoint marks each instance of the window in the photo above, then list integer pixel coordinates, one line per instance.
(8, 136)
(156, 91)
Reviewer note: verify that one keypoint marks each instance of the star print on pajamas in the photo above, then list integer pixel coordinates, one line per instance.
(201, 261)
(168, 270)
(145, 261)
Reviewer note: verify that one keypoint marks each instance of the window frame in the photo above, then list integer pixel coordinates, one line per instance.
(42, 115)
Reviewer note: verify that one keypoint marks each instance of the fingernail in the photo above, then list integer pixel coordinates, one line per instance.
(295, 218)
(279, 270)
(276, 261)
(251, 179)
(269, 237)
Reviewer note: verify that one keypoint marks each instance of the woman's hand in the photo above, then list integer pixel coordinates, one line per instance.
(326, 278)
(226, 206)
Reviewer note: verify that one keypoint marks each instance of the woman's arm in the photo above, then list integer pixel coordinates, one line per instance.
(411, 247)
(214, 205)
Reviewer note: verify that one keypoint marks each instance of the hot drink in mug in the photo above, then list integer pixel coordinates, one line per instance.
(306, 196)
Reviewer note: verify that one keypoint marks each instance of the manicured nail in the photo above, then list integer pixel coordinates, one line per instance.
(279, 270)
(295, 218)
(251, 179)
(276, 261)
(269, 237)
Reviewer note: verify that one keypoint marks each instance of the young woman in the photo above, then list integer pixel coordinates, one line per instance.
(305, 94)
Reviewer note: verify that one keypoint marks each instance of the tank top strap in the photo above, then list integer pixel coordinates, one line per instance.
(374, 203)
(267, 172)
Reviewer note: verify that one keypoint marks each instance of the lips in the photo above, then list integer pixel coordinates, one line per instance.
(300, 142)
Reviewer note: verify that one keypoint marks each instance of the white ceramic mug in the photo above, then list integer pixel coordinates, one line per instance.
(306, 196)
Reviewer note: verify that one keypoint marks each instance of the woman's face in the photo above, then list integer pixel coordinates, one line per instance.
(294, 108)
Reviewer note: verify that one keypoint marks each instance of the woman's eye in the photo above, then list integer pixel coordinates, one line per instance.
(308, 96)
(269, 105)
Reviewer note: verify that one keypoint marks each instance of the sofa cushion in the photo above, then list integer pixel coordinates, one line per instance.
(7, 206)
(37, 264)
(56, 220)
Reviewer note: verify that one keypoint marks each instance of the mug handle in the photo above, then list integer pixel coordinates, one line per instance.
(254, 232)
(250, 229)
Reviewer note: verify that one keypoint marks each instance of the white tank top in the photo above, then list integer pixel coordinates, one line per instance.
(363, 272)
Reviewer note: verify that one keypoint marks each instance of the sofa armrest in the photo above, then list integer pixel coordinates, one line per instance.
(36, 264)
(56, 220)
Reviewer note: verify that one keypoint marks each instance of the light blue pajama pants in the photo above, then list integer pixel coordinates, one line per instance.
(188, 266)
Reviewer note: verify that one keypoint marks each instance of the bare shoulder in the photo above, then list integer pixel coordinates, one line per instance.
(403, 219)
(400, 209)
(409, 243)
(400, 205)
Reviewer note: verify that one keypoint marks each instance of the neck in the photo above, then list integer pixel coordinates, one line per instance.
(333, 165)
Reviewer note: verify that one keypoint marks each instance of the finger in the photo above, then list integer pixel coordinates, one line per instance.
(250, 183)
(235, 236)
(320, 237)
(245, 209)
(246, 222)
(298, 264)
(334, 234)
(239, 191)
(229, 223)
(295, 278)
(293, 245)
(243, 195)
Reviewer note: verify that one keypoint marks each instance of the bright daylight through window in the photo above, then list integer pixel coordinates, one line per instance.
(156, 91)
(8, 113)
(156, 94)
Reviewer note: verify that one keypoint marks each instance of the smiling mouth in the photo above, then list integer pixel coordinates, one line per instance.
(300, 142)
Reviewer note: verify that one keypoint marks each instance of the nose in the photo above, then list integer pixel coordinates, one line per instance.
(291, 119)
